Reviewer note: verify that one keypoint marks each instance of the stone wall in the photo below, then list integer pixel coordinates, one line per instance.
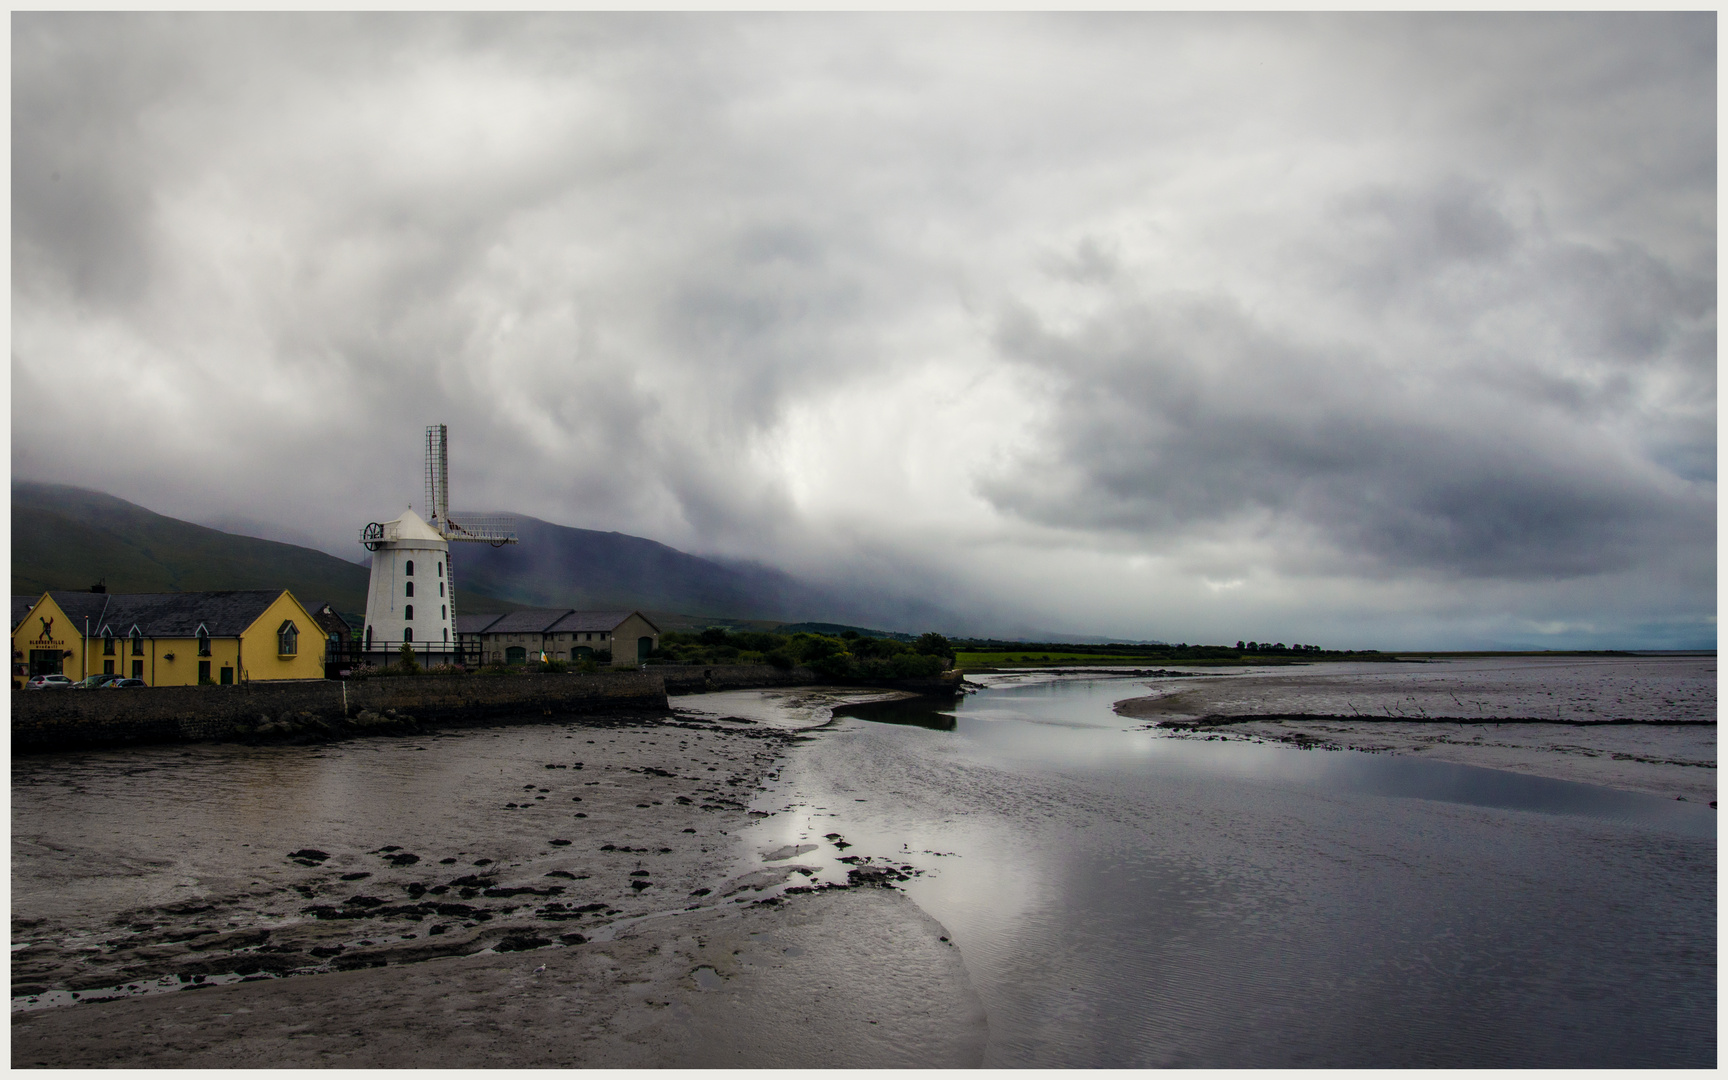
(83, 719)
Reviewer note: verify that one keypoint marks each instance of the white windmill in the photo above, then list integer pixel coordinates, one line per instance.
(412, 596)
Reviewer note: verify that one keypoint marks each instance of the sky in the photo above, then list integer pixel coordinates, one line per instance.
(1365, 331)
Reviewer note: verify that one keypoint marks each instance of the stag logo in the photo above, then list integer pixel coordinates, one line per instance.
(47, 627)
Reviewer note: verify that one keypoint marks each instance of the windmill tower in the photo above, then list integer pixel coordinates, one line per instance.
(412, 596)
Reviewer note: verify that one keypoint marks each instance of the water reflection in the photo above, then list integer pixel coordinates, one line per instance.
(916, 712)
(1070, 723)
(1127, 899)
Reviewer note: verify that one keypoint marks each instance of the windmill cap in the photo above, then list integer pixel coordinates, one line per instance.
(410, 528)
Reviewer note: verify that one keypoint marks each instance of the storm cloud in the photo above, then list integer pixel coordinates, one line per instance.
(1366, 330)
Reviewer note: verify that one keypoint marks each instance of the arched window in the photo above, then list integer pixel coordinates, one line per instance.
(410, 570)
(443, 611)
(410, 591)
(107, 643)
(440, 585)
(440, 569)
(368, 637)
(203, 642)
(287, 639)
(446, 633)
(407, 633)
(408, 612)
(137, 642)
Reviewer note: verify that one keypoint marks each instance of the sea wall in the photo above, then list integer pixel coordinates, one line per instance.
(86, 719)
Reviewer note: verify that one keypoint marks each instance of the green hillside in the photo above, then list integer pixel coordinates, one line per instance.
(71, 538)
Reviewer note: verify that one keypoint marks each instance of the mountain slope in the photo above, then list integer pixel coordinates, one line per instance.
(556, 566)
(69, 538)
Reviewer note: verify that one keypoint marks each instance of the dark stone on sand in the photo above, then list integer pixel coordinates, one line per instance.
(562, 874)
(572, 939)
(356, 876)
(640, 873)
(521, 943)
(326, 950)
(473, 881)
(364, 901)
(639, 884)
(404, 859)
(309, 853)
(445, 862)
(559, 843)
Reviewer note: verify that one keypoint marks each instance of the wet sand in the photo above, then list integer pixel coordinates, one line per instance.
(1632, 724)
(316, 905)
(849, 979)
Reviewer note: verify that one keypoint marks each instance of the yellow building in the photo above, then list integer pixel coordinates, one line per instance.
(167, 639)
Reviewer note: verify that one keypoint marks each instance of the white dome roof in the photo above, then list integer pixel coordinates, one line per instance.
(411, 530)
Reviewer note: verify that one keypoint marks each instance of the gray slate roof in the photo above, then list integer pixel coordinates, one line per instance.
(474, 624)
(593, 620)
(223, 614)
(544, 621)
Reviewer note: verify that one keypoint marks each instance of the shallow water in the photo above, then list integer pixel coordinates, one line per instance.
(1126, 899)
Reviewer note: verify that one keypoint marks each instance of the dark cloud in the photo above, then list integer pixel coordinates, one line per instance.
(1128, 323)
(1495, 447)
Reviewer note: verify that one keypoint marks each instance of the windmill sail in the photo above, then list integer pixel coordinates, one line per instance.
(494, 529)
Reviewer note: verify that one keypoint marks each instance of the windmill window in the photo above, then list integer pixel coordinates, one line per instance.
(410, 591)
(137, 642)
(443, 612)
(410, 570)
(440, 585)
(440, 571)
(107, 643)
(287, 639)
(407, 633)
(368, 637)
(203, 642)
(408, 611)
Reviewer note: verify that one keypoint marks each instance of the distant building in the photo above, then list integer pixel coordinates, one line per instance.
(167, 639)
(559, 634)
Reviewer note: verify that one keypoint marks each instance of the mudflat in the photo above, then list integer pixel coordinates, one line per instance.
(393, 901)
(854, 978)
(1632, 723)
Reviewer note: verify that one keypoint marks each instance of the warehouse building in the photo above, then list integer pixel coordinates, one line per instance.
(542, 634)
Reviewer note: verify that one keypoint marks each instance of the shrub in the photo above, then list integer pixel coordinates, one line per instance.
(832, 665)
(779, 659)
(408, 664)
(934, 644)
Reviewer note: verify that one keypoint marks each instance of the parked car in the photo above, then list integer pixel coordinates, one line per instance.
(93, 682)
(49, 682)
(125, 684)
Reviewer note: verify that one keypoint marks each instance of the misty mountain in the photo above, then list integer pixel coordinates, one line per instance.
(71, 538)
(557, 566)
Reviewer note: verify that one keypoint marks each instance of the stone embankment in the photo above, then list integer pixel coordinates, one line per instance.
(317, 710)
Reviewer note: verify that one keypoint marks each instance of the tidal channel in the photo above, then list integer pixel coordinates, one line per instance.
(1126, 899)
